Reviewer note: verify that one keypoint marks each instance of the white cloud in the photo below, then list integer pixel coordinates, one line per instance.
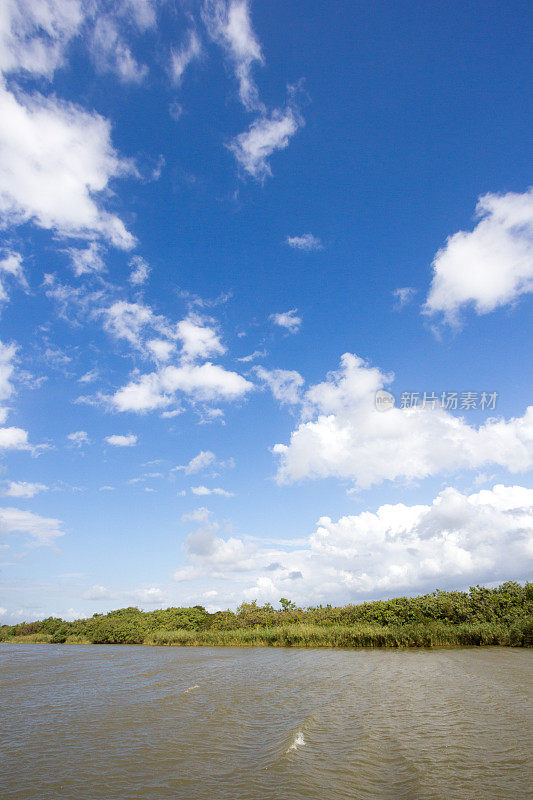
(284, 384)
(7, 368)
(42, 530)
(205, 550)
(175, 110)
(140, 271)
(143, 12)
(161, 349)
(266, 134)
(56, 163)
(111, 53)
(205, 382)
(228, 23)
(403, 296)
(180, 59)
(24, 489)
(457, 539)
(204, 491)
(117, 440)
(87, 260)
(98, 592)
(306, 242)
(252, 356)
(14, 439)
(341, 434)
(79, 438)
(35, 33)
(287, 319)
(11, 267)
(89, 377)
(149, 595)
(198, 340)
(490, 266)
(129, 321)
(204, 459)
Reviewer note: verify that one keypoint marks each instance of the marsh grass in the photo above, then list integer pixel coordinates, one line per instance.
(519, 634)
(482, 616)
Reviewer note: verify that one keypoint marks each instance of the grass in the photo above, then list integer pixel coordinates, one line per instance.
(519, 634)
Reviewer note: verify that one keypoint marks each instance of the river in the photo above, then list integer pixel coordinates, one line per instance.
(148, 723)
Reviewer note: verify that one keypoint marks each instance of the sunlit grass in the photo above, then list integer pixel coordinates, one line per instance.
(305, 635)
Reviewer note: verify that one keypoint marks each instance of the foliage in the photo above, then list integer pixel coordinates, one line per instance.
(479, 617)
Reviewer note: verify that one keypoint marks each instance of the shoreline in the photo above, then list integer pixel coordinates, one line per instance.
(519, 634)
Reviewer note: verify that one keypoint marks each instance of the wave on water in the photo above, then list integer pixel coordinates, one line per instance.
(298, 741)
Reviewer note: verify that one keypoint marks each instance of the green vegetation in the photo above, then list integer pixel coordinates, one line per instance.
(501, 616)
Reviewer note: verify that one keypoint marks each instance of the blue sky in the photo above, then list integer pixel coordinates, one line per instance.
(226, 226)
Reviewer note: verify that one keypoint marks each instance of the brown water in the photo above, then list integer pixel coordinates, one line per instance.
(125, 723)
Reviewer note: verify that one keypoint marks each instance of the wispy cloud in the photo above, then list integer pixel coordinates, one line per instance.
(288, 320)
(306, 242)
(119, 440)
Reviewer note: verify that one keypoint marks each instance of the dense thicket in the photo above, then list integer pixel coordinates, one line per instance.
(503, 615)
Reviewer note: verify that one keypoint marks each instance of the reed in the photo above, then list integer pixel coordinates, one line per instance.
(482, 616)
(519, 634)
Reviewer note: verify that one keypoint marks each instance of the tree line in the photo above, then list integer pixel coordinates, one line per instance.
(502, 615)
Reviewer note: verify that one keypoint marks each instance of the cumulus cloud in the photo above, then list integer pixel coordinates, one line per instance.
(288, 320)
(342, 435)
(180, 59)
(204, 382)
(161, 349)
(490, 266)
(118, 440)
(56, 163)
(129, 321)
(198, 339)
(14, 439)
(41, 530)
(456, 539)
(56, 159)
(306, 242)
(206, 550)
(136, 322)
(23, 489)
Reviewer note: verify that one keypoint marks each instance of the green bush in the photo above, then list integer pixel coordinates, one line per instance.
(500, 616)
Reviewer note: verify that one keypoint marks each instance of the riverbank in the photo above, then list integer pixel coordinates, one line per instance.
(500, 616)
(520, 634)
